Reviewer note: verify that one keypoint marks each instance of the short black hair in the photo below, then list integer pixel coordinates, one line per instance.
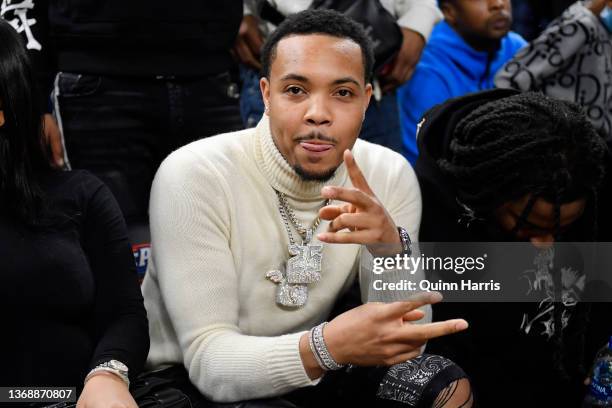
(327, 22)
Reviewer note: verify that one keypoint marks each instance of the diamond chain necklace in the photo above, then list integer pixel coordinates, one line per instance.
(287, 214)
(304, 264)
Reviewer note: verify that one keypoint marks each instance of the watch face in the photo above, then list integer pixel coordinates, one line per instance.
(118, 365)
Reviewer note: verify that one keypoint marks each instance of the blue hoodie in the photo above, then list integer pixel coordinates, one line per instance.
(448, 68)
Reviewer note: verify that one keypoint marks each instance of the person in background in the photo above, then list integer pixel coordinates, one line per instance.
(69, 296)
(530, 17)
(570, 60)
(462, 56)
(132, 82)
(416, 19)
(504, 166)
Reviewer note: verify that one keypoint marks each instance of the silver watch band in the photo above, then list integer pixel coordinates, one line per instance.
(114, 367)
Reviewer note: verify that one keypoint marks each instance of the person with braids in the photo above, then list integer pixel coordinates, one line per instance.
(501, 166)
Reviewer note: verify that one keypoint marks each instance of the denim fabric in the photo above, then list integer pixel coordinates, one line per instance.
(122, 128)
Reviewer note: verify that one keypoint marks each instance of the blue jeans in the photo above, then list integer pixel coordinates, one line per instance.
(381, 124)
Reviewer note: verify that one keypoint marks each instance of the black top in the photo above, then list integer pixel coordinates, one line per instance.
(508, 365)
(69, 295)
(181, 38)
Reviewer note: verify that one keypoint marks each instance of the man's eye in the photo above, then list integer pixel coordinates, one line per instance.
(294, 90)
(344, 92)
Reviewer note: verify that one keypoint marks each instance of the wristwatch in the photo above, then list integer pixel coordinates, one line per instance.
(405, 238)
(112, 366)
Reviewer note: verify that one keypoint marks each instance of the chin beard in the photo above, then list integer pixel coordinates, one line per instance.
(320, 177)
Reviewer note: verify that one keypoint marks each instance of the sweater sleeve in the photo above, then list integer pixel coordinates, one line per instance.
(198, 281)
(418, 15)
(120, 321)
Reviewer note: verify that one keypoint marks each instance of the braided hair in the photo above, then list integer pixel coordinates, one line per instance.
(528, 144)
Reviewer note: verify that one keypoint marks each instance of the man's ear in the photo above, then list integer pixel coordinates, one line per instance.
(264, 86)
(368, 95)
(450, 14)
(1, 118)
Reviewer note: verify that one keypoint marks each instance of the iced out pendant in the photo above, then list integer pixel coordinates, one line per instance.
(304, 266)
(287, 294)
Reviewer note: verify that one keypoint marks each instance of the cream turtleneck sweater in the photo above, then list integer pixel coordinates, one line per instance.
(216, 230)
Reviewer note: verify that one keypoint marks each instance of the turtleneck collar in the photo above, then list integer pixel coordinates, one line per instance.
(280, 174)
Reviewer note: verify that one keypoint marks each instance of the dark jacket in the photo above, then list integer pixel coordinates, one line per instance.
(509, 363)
(182, 38)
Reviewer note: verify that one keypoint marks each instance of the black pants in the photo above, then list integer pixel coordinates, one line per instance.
(122, 128)
(416, 383)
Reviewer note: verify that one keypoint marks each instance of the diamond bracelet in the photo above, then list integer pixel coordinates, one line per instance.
(319, 349)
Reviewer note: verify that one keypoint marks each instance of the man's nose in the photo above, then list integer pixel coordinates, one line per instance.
(542, 241)
(496, 4)
(318, 112)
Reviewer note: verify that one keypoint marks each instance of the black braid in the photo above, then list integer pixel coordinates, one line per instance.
(518, 145)
(558, 292)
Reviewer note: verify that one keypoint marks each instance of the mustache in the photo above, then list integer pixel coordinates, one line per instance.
(501, 14)
(315, 136)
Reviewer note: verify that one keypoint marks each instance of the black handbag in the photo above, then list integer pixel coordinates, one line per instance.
(378, 23)
(151, 391)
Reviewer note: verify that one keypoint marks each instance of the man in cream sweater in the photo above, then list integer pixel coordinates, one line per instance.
(256, 234)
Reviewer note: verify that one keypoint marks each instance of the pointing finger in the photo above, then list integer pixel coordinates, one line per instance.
(424, 332)
(357, 177)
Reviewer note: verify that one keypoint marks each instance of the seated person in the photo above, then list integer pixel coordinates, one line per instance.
(462, 56)
(501, 166)
(72, 307)
(570, 60)
(257, 234)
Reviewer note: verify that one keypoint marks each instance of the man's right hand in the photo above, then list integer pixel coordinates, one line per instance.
(381, 333)
(249, 42)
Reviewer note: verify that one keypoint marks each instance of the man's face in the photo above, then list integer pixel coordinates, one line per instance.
(484, 19)
(316, 97)
(539, 227)
(597, 6)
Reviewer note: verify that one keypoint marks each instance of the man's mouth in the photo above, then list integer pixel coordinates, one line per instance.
(316, 146)
(500, 22)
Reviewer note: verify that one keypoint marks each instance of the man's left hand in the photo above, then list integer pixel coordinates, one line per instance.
(405, 61)
(366, 219)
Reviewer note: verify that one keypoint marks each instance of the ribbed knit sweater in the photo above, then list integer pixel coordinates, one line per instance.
(216, 230)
